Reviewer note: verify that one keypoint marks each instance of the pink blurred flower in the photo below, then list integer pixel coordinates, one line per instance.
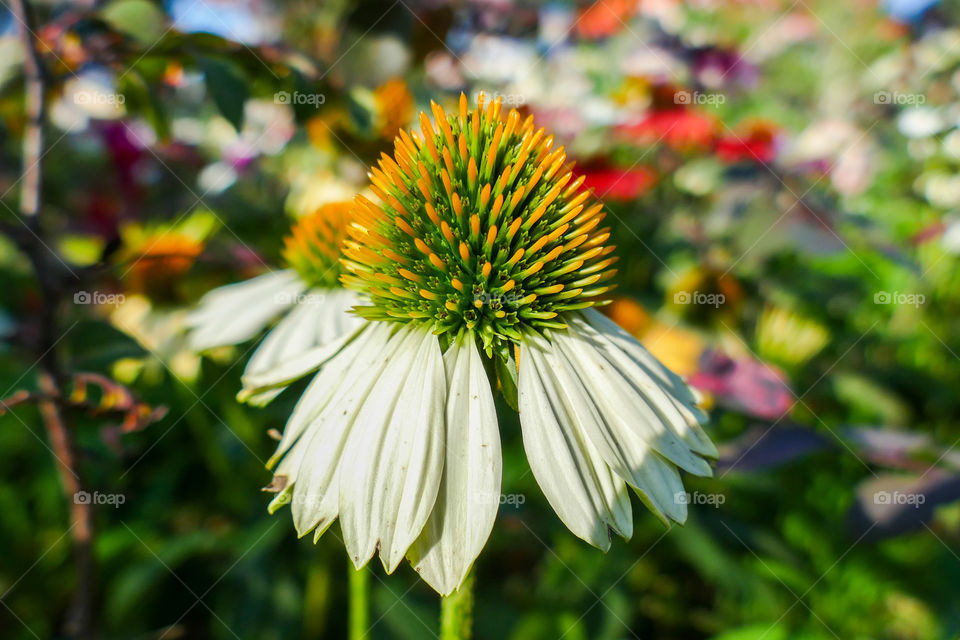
(750, 386)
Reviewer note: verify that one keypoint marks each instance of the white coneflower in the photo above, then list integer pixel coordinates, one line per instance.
(316, 321)
(479, 268)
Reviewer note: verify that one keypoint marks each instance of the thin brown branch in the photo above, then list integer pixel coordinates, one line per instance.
(80, 619)
(79, 622)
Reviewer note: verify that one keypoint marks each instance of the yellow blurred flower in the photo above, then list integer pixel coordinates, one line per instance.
(788, 338)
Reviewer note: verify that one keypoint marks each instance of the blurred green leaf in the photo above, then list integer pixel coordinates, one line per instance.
(228, 86)
(140, 19)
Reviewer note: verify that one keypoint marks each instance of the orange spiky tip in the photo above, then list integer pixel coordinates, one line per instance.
(480, 226)
(313, 246)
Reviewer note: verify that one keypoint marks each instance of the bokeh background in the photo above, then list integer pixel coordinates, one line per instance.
(781, 180)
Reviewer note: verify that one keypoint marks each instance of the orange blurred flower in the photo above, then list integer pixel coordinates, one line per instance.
(394, 107)
(604, 17)
(157, 265)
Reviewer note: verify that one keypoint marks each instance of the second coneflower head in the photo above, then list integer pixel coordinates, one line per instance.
(313, 247)
(314, 310)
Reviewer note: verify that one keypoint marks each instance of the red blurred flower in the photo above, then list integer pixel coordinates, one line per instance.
(756, 143)
(678, 127)
(610, 183)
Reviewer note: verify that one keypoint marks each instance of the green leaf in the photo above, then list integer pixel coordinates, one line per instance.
(776, 631)
(142, 99)
(228, 87)
(139, 19)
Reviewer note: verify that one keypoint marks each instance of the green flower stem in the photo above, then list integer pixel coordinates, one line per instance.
(456, 612)
(359, 602)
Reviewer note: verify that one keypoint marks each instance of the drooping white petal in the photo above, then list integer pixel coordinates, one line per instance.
(237, 312)
(314, 330)
(632, 404)
(393, 462)
(680, 395)
(361, 355)
(629, 457)
(469, 495)
(576, 481)
(622, 448)
(322, 422)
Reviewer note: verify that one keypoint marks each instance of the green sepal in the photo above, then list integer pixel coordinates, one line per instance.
(506, 369)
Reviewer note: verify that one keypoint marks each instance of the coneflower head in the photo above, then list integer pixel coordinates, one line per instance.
(480, 227)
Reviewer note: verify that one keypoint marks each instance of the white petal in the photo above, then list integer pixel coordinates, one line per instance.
(363, 354)
(393, 462)
(680, 395)
(632, 404)
(469, 495)
(292, 335)
(321, 425)
(316, 329)
(621, 447)
(237, 312)
(576, 481)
